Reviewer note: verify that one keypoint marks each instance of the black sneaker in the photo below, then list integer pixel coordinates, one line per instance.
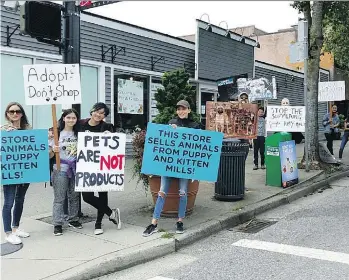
(76, 224)
(57, 230)
(179, 229)
(150, 230)
(255, 167)
(115, 217)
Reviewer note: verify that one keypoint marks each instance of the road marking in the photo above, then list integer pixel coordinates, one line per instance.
(294, 250)
(161, 278)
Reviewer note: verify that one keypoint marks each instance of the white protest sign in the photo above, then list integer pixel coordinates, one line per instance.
(331, 91)
(285, 118)
(100, 163)
(46, 84)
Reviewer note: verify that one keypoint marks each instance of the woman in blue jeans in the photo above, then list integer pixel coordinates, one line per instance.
(183, 120)
(14, 194)
(344, 138)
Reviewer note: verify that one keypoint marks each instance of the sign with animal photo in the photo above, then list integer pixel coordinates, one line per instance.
(285, 118)
(100, 163)
(331, 91)
(257, 89)
(46, 84)
(234, 119)
(288, 161)
(130, 97)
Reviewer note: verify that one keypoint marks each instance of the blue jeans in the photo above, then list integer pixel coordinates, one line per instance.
(343, 143)
(13, 194)
(183, 199)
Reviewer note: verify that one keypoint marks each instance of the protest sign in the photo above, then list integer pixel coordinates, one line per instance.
(100, 162)
(285, 118)
(257, 89)
(46, 84)
(234, 119)
(24, 156)
(288, 161)
(182, 152)
(331, 91)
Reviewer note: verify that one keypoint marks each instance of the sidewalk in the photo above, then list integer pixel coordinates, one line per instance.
(79, 254)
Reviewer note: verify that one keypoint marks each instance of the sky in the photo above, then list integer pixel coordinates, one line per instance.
(177, 18)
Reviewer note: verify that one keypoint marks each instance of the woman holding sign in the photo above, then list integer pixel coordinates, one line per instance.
(63, 180)
(14, 194)
(98, 112)
(182, 120)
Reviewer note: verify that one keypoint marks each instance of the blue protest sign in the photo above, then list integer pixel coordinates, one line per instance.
(182, 152)
(288, 160)
(24, 156)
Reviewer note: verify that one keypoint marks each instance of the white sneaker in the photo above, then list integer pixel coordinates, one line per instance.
(13, 239)
(21, 233)
(115, 217)
(99, 231)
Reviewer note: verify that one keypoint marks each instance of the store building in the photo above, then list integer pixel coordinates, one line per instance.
(118, 58)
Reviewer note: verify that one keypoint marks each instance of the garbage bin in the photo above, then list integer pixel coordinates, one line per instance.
(272, 158)
(230, 184)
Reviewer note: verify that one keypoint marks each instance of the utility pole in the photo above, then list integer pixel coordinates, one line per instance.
(71, 53)
(71, 37)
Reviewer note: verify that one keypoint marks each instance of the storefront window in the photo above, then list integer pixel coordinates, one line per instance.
(131, 97)
(12, 84)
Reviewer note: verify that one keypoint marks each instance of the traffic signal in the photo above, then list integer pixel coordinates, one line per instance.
(41, 20)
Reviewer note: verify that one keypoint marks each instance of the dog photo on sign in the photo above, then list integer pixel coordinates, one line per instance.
(234, 119)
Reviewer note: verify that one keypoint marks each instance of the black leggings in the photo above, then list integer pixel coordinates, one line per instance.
(100, 203)
(329, 138)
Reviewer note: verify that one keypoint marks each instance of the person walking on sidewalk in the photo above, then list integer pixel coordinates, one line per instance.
(98, 112)
(183, 120)
(344, 138)
(259, 143)
(14, 194)
(63, 180)
(331, 124)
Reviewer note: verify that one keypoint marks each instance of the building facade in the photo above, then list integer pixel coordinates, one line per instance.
(115, 54)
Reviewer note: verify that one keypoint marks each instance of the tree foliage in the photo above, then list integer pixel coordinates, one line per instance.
(176, 88)
(335, 28)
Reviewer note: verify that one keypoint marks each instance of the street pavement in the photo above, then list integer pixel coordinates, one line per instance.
(45, 256)
(308, 241)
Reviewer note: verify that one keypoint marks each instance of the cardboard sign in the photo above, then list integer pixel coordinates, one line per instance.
(331, 91)
(46, 84)
(285, 118)
(234, 119)
(182, 152)
(288, 160)
(24, 156)
(101, 162)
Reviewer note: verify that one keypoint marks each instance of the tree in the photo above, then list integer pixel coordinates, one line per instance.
(176, 87)
(322, 17)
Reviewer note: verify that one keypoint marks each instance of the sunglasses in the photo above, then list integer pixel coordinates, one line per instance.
(14, 111)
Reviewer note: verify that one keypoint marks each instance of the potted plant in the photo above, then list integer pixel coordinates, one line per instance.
(176, 87)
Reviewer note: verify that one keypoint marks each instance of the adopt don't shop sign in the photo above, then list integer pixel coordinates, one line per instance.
(100, 162)
(46, 84)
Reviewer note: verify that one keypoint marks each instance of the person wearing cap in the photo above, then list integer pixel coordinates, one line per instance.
(96, 123)
(183, 119)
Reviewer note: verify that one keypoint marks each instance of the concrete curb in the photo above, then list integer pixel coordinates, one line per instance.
(117, 261)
